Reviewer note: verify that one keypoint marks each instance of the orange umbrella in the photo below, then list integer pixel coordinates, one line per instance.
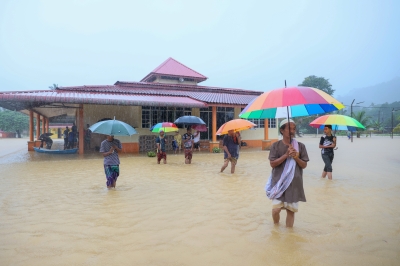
(235, 125)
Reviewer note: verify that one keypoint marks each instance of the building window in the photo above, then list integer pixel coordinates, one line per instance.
(206, 115)
(272, 123)
(260, 122)
(152, 115)
(224, 114)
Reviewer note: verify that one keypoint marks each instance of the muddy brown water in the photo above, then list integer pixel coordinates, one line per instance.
(55, 210)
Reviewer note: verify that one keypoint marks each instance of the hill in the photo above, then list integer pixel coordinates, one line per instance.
(377, 94)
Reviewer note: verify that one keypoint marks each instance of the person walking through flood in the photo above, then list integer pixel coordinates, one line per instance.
(188, 145)
(177, 144)
(110, 148)
(287, 158)
(88, 136)
(65, 135)
(231, 150)
(160, 142)
(327, 143)
(196, 140)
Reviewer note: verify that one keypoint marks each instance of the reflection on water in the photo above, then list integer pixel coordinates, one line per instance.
(56, 210)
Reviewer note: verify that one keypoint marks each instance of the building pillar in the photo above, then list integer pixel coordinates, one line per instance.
(81, 129)
(47, 124)
(214, 143)
(30, 125)
(31, 143)
(43, 124)
(266, 143)
(37, 126)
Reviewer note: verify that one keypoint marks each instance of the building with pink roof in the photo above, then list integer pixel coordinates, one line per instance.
(169, 91)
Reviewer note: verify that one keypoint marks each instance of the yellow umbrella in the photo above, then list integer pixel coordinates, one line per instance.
(235, 125)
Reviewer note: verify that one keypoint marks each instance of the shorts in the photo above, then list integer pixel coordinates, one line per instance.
(188, 154)
(233, 160)
(293, 206)
(161, 155)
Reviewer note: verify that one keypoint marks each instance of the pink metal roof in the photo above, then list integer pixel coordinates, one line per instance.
(171, 67)
(209, 95)
(25, 99)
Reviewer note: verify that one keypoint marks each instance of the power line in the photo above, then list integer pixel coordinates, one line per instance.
(372, 106)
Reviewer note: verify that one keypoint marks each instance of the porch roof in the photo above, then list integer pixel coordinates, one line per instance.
(25, 100)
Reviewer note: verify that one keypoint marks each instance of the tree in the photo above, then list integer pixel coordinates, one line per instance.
(377, 125)
(363, 119)
(318, 83)
(12, 121)
(53, 87)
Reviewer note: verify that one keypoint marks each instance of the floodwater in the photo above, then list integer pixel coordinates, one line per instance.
(56, 210)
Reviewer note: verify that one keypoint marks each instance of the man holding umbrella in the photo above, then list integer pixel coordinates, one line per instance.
(188, 145)
(160, 142)
(231, 149)
(287, 158)
(110, 148)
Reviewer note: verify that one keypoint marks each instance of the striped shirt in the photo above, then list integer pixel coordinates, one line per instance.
(113, 158)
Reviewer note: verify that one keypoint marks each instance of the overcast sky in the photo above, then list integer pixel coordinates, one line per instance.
(253, 45)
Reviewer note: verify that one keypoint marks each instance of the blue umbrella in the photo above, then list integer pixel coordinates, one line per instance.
(113, 127)
(189, 120)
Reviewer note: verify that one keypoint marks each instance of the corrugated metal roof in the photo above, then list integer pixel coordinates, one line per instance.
(171, 67)
(210, 95)
(23, 100)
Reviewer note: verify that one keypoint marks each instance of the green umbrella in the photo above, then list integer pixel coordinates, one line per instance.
(113, 127)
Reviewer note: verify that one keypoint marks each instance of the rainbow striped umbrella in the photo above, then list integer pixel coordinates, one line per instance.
(164, 126)
(338, 122)
(290, 102)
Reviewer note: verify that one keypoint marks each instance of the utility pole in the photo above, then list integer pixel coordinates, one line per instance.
(351, 110)
(351, 114)
(392, 119)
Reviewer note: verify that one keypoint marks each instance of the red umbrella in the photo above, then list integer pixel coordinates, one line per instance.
(200, 128)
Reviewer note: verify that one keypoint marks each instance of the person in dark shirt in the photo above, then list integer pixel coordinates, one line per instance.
(160, 142)
(188, 144)
(231, 150)
(88, 135)
(65, 135)
(327, 144)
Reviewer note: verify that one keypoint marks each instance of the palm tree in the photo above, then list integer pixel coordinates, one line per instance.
(378, 126)
(363, 119)
(53, 87)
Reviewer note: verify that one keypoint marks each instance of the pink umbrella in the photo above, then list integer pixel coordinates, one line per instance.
(200, 128)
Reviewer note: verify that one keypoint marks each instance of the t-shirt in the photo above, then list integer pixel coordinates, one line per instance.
(113, 158)
(197, 138)
(231, 146)
(187, 140)
(326, 141)
(295, 191)
(162, 143)
(66, 131)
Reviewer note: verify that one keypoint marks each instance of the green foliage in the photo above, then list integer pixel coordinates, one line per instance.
(303, 124)
(396, 129)
(151, 154)
(216, 150)
(378, 126)
(363, 119)
(318, 83)
(53, 87)
(12, 121)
